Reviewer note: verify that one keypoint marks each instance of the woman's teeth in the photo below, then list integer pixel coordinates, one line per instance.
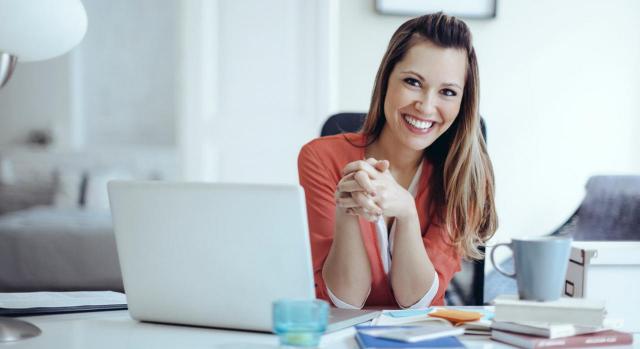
(418, 123)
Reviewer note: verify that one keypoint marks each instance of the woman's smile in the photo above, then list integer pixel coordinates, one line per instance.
(417, 125)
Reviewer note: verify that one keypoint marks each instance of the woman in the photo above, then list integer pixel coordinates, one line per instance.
(391, 230)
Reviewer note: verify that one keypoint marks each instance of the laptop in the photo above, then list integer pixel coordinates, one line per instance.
(213, 254)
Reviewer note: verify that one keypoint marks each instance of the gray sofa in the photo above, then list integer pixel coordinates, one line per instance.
(55, 226)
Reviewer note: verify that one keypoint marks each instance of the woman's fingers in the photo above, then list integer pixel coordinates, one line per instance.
(366, 202)
(350, 186)
(381, 165)
(347, 177)
(346, 202)
(358, 203)
(372, 161)
(360, 165)
(365, 182)
(363, 213)
(358, 200)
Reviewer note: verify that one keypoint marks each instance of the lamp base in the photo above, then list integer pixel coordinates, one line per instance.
(12, 330)
(7, 65)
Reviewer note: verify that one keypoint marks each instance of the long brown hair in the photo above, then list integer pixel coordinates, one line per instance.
(462, 184)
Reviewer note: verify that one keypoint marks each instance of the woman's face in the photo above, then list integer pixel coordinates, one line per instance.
(424, 94)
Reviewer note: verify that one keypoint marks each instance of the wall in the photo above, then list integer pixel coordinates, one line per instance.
(36, 98)
(559, 90)
(253, 89)
(117, 88)
(127, 64)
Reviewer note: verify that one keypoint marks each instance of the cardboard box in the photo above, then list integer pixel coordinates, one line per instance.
(607, 270)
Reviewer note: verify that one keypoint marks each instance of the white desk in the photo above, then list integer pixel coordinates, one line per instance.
(116, 329)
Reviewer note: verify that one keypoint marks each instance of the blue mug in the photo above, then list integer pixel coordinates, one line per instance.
(540, 266)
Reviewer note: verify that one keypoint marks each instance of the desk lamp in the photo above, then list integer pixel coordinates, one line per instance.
(35, 30)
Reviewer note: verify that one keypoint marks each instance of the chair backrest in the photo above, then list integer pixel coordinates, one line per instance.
(466, 287)
(343, 123)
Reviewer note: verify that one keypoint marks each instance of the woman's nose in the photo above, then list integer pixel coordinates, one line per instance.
(426, 105)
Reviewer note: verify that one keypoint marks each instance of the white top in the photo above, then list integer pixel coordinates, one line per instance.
(385, 243)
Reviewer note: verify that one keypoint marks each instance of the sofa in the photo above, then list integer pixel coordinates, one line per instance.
(55, 227)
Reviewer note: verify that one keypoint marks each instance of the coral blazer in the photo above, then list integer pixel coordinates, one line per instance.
(319, 164)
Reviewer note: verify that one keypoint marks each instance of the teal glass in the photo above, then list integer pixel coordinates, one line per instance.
(300, 323)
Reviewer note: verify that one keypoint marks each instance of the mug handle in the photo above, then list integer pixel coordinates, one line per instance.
(495, 265)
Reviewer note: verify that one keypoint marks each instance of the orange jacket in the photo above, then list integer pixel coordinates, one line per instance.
(319, 165)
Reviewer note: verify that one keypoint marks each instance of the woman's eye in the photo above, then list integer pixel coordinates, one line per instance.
(449, 93)
(412, 82)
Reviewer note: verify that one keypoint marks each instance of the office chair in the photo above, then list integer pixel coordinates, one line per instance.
(467, 286)
(610, 211)
(343, 123)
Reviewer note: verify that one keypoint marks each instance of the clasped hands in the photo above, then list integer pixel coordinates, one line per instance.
(367, 189)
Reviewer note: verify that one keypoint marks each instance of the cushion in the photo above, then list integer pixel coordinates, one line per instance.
(68, 189)
(96, 196)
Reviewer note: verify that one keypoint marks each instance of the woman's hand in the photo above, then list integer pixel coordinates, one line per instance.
(354, 200)
(368, 188)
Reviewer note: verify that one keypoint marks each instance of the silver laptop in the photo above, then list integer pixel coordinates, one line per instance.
(214, 255)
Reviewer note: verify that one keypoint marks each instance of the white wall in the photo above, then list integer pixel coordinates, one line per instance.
(36, 98)
(117, 88)
(253, 88)
(559, 90)
(127, 67)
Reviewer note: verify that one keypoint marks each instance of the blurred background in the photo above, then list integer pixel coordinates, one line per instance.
(229, 91)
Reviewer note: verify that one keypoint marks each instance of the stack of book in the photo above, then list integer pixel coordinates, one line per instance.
(567, 322)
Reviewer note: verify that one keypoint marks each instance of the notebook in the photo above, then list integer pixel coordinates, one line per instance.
(366, 341)
(43, 303)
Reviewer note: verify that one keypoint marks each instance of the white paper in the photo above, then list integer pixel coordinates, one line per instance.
(23, 300)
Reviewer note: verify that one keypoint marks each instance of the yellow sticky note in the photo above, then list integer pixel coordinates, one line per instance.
(456, 316)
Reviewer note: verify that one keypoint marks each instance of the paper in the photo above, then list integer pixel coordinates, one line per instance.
(406, 312)
(25, 300)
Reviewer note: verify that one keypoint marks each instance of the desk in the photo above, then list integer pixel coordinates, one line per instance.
(116, 329)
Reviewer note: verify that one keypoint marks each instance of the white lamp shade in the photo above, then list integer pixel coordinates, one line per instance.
(35, 30)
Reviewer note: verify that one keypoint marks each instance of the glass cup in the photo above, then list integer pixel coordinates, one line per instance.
(300, 323)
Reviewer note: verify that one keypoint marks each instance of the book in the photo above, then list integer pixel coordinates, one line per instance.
(412, 334)
(42, 303)
(577, 311)
(551, 330)
(604, 338)
(422, 317)
(366, 341)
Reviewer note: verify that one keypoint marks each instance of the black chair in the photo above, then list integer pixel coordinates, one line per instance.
(467, 286)
(343, 123)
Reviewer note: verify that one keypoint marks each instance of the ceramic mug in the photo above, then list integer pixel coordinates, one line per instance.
(540, 265)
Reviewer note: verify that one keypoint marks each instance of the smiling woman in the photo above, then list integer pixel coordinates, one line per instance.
(392, 209)
(423, 95)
